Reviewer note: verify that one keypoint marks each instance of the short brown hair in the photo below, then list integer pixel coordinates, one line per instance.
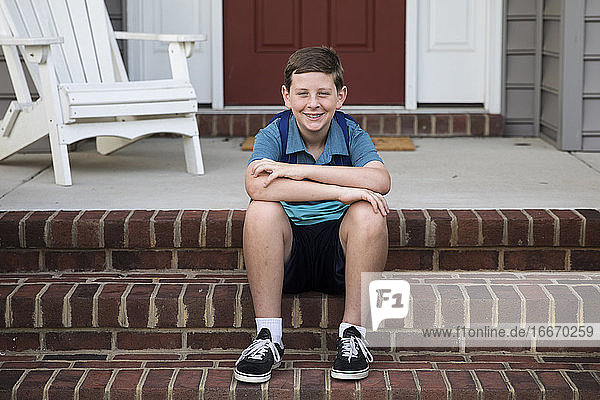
(315, 59)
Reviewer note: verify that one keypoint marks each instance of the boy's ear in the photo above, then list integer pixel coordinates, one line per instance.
(341, 97)
(286, 96)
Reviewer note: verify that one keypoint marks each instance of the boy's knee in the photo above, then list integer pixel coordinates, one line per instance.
(264, 211)
(362, 217)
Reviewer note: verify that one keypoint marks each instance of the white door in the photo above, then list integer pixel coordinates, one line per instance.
(452, 51)
(150, 60)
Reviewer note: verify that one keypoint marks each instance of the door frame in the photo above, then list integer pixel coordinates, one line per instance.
(493, 92)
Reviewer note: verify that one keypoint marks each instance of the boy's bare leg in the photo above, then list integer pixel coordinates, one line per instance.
(267, 246)
(364, 237)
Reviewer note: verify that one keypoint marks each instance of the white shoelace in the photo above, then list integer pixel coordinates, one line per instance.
(350, 347)
(257, 350)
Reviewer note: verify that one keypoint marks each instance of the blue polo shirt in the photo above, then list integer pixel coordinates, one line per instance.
(267, 144)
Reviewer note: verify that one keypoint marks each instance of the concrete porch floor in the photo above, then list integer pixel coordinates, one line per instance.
(442, 173)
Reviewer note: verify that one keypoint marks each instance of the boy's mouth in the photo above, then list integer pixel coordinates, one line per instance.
(313, 116)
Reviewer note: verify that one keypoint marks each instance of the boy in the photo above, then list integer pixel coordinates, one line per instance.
(317, 215)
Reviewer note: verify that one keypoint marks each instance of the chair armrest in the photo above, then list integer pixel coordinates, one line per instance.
(161, 37)
(39, 41)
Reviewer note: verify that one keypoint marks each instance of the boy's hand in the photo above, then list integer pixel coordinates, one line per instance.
(351, 195)
(277, 170)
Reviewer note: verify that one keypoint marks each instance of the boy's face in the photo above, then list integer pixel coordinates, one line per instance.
(313, 98)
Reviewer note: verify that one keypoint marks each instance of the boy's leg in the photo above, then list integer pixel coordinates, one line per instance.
(267, 246)
(364, 238)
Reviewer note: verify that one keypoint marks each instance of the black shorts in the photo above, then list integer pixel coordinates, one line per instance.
(317, 261)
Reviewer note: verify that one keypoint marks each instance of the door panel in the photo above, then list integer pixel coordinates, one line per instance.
(259, 36)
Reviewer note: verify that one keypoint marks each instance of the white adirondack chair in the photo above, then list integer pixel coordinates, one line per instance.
(70, 50)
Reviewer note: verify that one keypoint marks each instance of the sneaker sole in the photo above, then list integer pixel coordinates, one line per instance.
(349, 375)
(240, 376)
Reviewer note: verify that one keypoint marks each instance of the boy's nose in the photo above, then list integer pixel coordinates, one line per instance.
(312, 101)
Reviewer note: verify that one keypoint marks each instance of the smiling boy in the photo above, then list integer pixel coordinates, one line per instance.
(317, 215)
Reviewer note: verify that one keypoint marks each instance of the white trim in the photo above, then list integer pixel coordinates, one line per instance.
(392, 110)
(216, 38)
(411, 55)
(493, 90)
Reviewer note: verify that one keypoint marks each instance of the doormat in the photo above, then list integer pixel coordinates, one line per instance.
(381, 143)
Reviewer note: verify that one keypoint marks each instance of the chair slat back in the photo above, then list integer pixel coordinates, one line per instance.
(86, 55)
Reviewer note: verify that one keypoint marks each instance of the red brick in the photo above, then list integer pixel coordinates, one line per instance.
(524, 385)
(459, 124)
(407, 124)
(237, 227)
(23, 305)
(553, 260)
(570, 227)
(453, 304)
(223, 303)
(114, 229)
(374, 126)
(462, 384)
(509, 304)
(567, 304)
(393, 225)
(248, 317)
(167, 306)
(311, 309)
(374, 386)
(217, 384)
(223, 125)
(205, 124)
(312, 384)
(125, 384)
(341, 389)
(143, 341)
(555, 385)
(468, 259)
(108, 305)
(592, 227)
(19, 260)
(216, 227)
(543, 227)
(34, 229)
(94, 384)
(390, 125)
(78, 340)
(585, 260)
(207, 259)
(191, 222)
(415, 227)
(402, 384)
(255, 123)
(492, 227)
(5, 290)
(157, 384)
(335, 310)
(496, 122)
(281, 385)
(9, 228)
(493, 385)
(8, 379)
(537, 303)
(467, 228)
(163, 228)
(88, 230)
(64, 384)
(441, 225)
(591, 302)
(52, 305)
(432, 385)
(240, 125)
(477, 124)
(194, 300)
(424, 124)
(141, 259)
(518, 227)
(187, 384)
(139, 229)
(400, 259)
(138, 304)
(245, 390)
(75, 260)
(210, 340)
(442, 124)
(32, 387)
(19, 341)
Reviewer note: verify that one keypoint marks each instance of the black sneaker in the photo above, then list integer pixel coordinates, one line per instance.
(353, 357)
(257, 361)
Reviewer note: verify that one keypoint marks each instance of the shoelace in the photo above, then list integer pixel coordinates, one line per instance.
(350, 347)
(257, 350)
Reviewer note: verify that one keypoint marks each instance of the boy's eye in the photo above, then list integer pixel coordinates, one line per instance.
(302, 93)
(323, 93)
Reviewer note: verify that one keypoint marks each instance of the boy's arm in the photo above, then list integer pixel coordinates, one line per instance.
(285, 189)
(373, 176)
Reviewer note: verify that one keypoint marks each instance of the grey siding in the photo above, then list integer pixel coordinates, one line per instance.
(116, 10)
(591, 79)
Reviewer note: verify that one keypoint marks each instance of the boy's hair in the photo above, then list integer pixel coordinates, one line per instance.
(315, 59)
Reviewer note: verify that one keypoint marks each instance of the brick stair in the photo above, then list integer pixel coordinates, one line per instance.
(155, 305)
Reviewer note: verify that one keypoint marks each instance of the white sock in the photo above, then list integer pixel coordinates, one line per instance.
(345, 325)
(272, 324)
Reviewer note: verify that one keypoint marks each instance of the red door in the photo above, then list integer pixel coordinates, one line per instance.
(259, 36)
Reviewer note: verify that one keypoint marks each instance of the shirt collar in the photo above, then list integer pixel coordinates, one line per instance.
(335, 144)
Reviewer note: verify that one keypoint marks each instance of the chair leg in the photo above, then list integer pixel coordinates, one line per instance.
(193, 155)
(60, 160)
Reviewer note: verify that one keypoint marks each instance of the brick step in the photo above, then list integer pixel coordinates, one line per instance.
(427, 240)
(405, 124)
(203, 310)
(303, 375)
